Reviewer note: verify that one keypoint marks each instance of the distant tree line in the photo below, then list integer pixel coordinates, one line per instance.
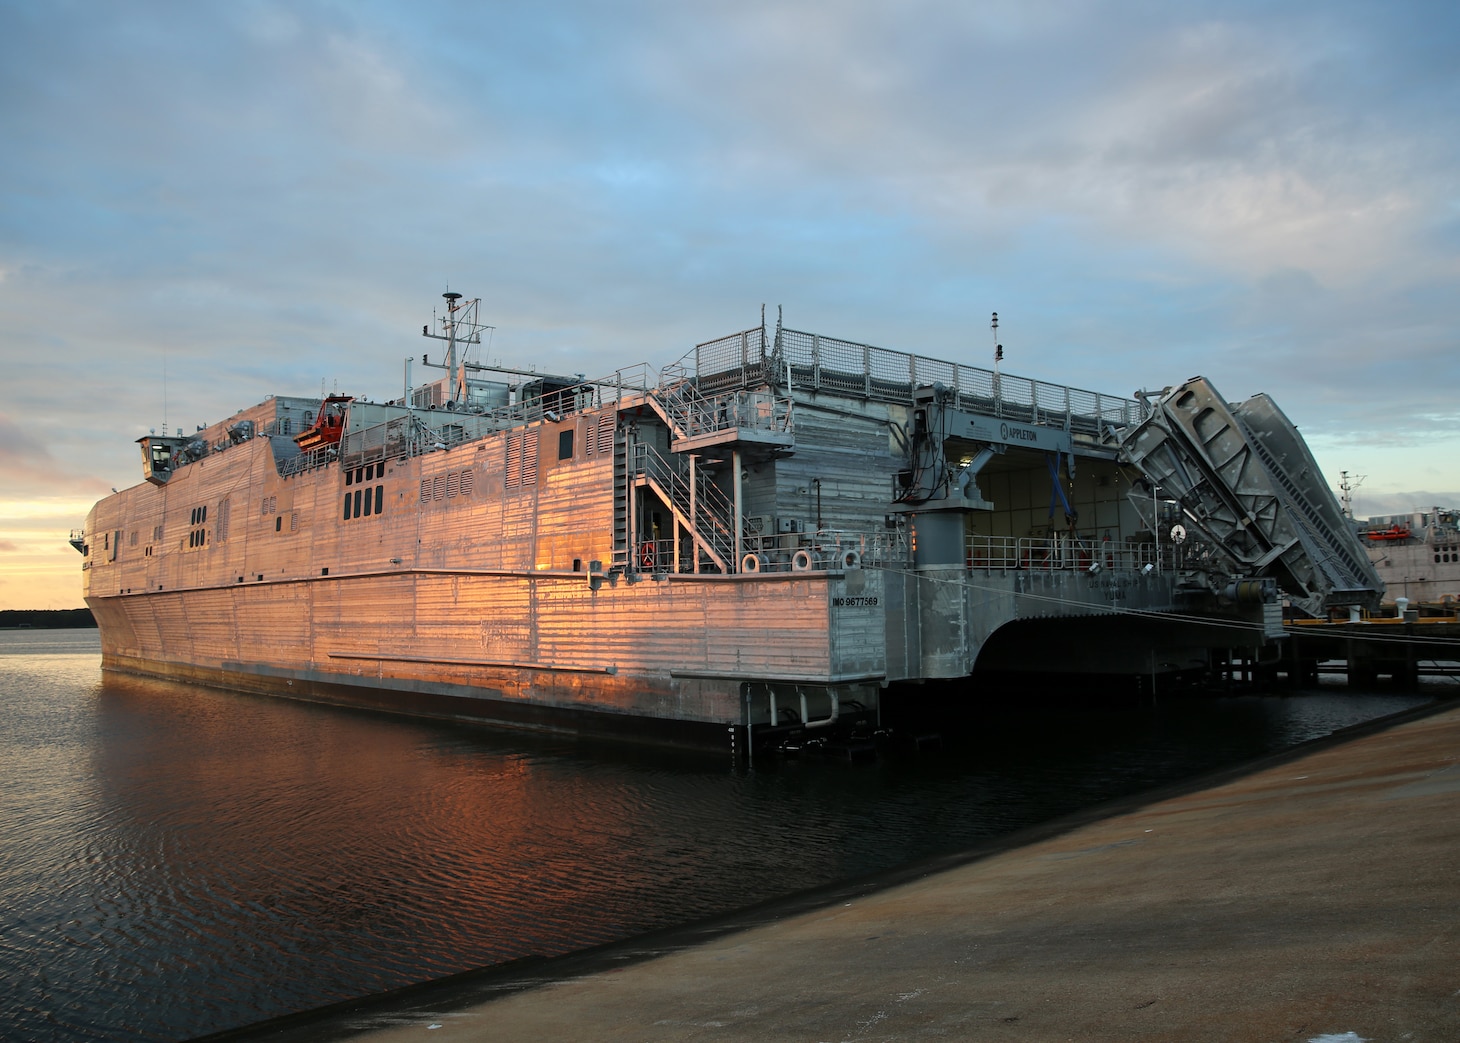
(46, 618)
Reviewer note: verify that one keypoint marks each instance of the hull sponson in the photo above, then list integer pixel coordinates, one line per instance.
(435, 701)
(657, 660)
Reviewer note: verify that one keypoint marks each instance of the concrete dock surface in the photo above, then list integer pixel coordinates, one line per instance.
(1309, 897)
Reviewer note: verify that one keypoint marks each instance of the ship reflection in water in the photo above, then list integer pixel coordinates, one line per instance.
(179, 861)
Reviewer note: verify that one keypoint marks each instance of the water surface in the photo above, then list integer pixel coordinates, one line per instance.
(178, 860)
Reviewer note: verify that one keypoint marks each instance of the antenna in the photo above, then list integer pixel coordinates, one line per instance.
(460, 326)
(998, 354)
(1347, 487)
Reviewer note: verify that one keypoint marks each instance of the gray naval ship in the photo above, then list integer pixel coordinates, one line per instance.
(758, 545)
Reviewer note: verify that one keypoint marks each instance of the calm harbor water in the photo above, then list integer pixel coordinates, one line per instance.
(176, 861)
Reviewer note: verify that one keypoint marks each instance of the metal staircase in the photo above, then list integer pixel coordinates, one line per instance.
(700, 508)
(622, 552)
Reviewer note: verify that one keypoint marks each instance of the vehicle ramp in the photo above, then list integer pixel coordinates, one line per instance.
(1244, 479)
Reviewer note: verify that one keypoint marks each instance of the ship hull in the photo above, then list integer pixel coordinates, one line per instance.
(676, 660)
(463, 704)
(700, 561)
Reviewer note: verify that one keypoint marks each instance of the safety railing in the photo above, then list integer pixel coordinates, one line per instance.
(301, 462)
(809, 361)
(692, 413)
(827, 549)
(1062, 553)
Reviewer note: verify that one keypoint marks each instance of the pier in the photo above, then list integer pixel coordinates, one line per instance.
(1367, 652)
(1309, 894)
(1398, 648)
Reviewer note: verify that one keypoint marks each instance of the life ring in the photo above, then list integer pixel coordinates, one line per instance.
(802, 561)
(751, 563)
(646, 554)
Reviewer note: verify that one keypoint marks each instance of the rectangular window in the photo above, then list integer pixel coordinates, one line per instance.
(565, 444)
(357, 503)
(379, 498)
(369, 504)
(347, 506)
(349, 478)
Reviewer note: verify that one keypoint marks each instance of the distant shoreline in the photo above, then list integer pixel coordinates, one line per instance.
(46, 619)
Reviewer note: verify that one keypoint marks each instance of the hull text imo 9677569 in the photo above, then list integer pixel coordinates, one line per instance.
(749, 546)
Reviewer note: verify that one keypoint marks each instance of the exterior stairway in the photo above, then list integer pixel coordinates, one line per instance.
(701, 509)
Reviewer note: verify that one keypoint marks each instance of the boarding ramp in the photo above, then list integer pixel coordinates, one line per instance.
(1244, 478)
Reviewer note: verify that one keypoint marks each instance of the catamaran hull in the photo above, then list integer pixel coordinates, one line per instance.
(677, 661)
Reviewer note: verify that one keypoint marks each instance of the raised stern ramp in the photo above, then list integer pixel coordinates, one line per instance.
(1245, 480)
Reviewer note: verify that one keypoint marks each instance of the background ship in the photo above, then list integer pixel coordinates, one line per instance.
(757, 544)
(1417, 555)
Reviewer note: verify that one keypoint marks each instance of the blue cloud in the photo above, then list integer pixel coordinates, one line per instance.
(263, 196)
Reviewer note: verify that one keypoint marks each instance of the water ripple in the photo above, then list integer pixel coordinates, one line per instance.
(179, 861)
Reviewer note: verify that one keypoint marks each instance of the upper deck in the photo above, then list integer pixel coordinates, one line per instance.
(811, 362)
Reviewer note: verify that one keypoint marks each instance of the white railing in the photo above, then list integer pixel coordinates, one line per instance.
(1062, 553)
(812, 362)
(692, 414)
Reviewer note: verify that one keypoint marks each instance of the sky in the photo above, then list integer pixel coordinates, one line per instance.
(202, 204)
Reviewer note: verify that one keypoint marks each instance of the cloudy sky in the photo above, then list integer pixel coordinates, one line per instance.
(205, 203)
